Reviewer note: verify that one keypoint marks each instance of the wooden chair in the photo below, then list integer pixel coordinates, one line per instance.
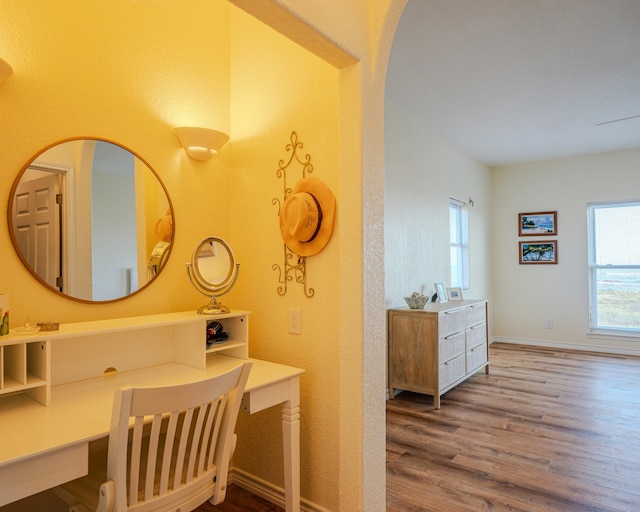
(169, 448)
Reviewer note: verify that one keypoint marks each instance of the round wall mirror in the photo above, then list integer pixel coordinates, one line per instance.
(213, 272)
(91, 220)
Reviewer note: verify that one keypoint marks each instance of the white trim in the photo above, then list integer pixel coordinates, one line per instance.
(462, 229)
(614, 334)
(268, 491)
(68, 230)
(605, 349)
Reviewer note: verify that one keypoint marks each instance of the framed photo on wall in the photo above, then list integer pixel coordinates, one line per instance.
(538, 224)
(538, 252)
(454, 293)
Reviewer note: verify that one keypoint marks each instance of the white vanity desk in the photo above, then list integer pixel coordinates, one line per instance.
(55, 397)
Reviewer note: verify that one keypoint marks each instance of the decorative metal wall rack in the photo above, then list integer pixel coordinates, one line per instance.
(294, 267)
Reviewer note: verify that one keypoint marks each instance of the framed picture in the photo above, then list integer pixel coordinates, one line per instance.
(538, 224)
(539, 252)
(454, 293)
(442, 296)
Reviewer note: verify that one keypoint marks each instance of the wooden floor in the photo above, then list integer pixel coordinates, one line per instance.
(546, 430)
(239, 500)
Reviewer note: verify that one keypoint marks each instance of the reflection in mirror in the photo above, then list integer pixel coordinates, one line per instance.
(213, 272)
(91, 220)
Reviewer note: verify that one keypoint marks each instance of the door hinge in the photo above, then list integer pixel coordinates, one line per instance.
(59, 282)
(58, 198)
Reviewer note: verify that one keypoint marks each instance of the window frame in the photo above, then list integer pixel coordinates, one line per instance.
(461, 246)
(594, 267)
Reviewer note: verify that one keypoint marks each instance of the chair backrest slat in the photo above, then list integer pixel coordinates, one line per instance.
(184, 439)
(167, 462)
(221, 405)
(152, 455)
(195, 445)
(135, 456)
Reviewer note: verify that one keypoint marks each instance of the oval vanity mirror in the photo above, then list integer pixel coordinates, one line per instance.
(213, 272)
(91, 220)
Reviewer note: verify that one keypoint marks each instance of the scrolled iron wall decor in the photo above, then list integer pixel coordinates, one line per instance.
(294, 266)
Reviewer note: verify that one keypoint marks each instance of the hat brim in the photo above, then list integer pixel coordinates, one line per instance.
(327, 201)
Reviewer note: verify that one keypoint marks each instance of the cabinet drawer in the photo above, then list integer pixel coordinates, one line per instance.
(476, 335)
(44, 471)
(476, 357)
(477, 313)
(451, 321)
(451, 346)
(452, 370)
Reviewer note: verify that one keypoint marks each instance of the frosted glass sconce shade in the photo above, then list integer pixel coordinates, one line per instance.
(201, 143)
(5, 70)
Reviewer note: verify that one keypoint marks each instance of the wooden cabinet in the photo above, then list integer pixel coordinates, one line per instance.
(433, 349)
(33, 363)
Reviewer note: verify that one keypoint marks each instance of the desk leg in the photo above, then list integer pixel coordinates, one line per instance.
(291, 447)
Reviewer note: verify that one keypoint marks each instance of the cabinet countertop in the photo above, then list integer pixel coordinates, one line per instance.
(437, 307)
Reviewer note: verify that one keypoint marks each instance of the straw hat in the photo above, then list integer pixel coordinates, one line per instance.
(164, 227)
(306, 219)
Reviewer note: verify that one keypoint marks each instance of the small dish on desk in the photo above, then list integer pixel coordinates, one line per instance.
(48, 326)
(27, 329)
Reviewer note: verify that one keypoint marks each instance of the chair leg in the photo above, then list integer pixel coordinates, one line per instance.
(107, 497)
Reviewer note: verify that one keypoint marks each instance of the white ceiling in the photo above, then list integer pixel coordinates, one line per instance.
(512, 81)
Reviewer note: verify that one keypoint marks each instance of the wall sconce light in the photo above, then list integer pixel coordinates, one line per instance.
(201, 143)
(5, 70)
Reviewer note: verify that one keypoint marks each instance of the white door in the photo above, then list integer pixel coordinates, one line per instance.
(36, 224)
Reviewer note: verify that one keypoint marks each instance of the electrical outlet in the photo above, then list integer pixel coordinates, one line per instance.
(295, 321)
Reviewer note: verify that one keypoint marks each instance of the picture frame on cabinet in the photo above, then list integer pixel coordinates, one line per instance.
(542, 252)
(442, 295)
(454, 293)
(538, 224)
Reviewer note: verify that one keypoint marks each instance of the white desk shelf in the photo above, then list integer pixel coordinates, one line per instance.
(35, 363)
(24, 368)
(237, 328)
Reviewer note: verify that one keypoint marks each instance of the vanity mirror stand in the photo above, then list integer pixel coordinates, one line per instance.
(213, 271)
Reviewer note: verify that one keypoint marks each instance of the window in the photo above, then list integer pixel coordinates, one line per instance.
(459, 243)
(614, 267)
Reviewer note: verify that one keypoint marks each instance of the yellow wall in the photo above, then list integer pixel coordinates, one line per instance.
(130, 71)
(277, 87)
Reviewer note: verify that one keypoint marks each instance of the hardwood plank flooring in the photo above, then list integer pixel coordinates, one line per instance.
(545, 430)
(239, 500)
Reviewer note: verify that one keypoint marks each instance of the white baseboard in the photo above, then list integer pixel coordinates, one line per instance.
(268, 491)
(605, 349)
